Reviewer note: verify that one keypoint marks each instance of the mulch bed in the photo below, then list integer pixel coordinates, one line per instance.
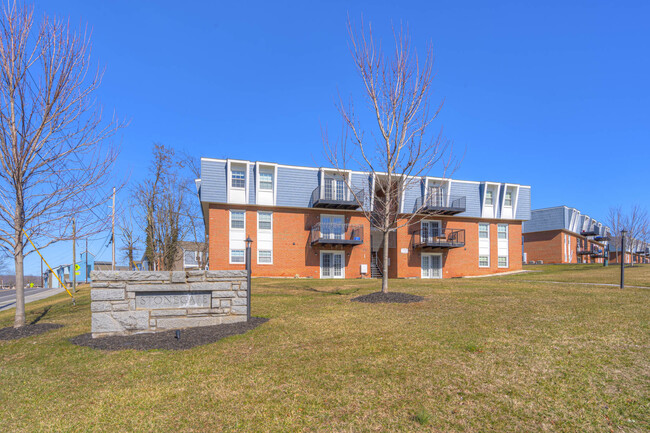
(11, 333)
(190, 337)
(390, 297)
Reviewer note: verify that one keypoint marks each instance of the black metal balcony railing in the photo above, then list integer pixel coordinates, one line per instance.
(442, 204)
(440, 238)
(344, 199)
(336, 234)
(589, 232)
(593, 252)
(601, 238)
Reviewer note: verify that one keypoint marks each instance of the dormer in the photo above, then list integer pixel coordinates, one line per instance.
(238, 182)
(490, 199)
(266, 189)
(509, 201)
(333, 191)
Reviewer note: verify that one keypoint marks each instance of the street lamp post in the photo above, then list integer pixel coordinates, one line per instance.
(623, 258)
(249, 241)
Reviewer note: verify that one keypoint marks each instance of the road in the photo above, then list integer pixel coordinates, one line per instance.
(8, 297)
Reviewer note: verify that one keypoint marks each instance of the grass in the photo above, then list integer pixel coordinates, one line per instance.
(637, 275)
(489, 354)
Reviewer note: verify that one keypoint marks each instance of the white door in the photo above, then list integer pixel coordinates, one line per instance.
(331, 227)
(431, 266)
(334, 188)
(332, 265)
(430, 230)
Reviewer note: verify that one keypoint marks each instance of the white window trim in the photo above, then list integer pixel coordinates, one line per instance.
(230, 227)
(229, 188)
(507, 238)
(479, 261)
(320, 264)
(488, 231)
(259, 165)
(264, 263)
(507, 262)
(230, 250)
(495, 196)
(347, 180)
(258, 236)
(441, 266)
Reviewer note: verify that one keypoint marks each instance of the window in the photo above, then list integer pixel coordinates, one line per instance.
(489, 199)
(502, 231)
(237, 219)
(484, 261)
(265, 221)
(237, 256)
(503, 262)
(238, 178)
(484, 231)
(264, 256)
(266, 181)
(508, 200)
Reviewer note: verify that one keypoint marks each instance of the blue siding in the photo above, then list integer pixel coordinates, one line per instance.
(412, 192)
(472, 192)
(252, 181)
(213, 181)
(362, 181)
(545, 219)
(523, 204)
(295, 186)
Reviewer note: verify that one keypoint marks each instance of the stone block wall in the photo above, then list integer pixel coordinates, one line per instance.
(131, 302)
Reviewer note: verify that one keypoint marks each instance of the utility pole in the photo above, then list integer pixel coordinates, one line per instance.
(86, 271)
(73, 266)
(623, 260)
(113, 235)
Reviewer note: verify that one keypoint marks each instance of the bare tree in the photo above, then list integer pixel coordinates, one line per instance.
(399, 150)
(167, 206)
(53, 164)
(635, 222)
(129, 238)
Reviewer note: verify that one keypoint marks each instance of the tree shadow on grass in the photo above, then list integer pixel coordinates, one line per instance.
(40, 316)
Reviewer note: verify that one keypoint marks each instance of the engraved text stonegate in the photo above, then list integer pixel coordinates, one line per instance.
(152, 301)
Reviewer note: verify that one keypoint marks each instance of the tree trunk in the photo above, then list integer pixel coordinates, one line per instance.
(20, 282)
(384, 265)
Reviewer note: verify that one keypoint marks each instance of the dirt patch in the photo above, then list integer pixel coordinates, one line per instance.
(11, 333)
(390, 297)
(190, 337)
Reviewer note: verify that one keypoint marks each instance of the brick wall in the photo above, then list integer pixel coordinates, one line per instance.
(463, 260)
(548, 246)
(293, 253)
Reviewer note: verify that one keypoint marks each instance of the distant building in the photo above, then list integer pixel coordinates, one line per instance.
(564, 235)
(191, 255)
(85, 266)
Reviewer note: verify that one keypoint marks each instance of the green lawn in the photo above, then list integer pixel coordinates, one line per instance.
(637, 275)
(488, 354)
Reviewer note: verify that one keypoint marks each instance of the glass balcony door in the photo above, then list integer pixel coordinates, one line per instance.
(332, 227)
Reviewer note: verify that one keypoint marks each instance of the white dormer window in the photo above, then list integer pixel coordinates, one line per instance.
(266, 181)
(238, 177)
(489, 198)
(508, 199)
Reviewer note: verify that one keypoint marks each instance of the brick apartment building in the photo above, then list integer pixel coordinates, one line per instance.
(636, 251)
(563, 235)
(305, 222)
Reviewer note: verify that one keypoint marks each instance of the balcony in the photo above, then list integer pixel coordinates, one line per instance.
(584, 251)
(440, 238)
(336, 234)
(442, 204)
(331, 199)
(590, 232)
(601, 238)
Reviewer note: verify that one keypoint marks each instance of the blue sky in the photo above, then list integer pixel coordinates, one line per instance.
(553, 94)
